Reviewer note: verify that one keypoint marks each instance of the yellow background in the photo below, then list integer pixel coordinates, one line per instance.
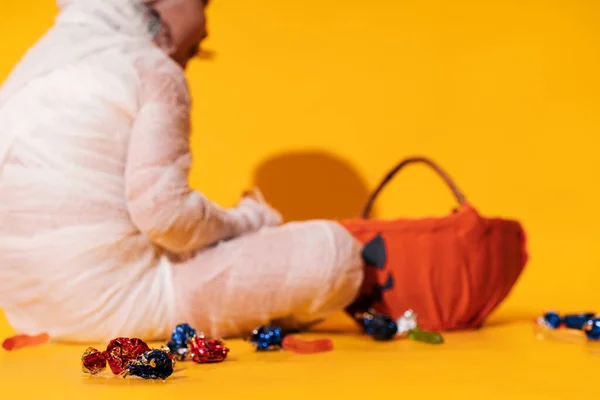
(315, 100)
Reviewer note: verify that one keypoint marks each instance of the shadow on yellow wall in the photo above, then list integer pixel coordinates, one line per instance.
(311, 185)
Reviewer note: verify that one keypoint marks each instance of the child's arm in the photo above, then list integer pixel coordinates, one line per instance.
(160, 201)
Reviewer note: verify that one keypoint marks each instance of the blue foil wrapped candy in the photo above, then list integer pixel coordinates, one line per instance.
(577, 321)
(550, 320)
(153, 364)
(592, 329)
(267, 338)
(380, 327)
(180, 338)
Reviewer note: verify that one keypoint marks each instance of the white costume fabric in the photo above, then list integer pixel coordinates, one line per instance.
(100, 234)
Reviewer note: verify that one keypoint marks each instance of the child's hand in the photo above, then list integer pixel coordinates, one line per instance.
(259, 213)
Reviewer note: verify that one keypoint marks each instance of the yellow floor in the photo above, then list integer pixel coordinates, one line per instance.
(502, 361)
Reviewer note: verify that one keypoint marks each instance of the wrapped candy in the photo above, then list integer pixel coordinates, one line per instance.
(381, 327)
(592, 329)
(577, 321)
(121, 351)
(409, 327)
(180, 338)
(204, 351)
(93, 361)
(153, 364)
(407, 322)
(550, 320)
(267, 338)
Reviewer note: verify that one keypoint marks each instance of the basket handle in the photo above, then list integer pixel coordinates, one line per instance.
(412, 160)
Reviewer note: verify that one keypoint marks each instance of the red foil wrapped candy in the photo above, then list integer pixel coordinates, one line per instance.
(204, 351)
(93, 361)
(121, 351)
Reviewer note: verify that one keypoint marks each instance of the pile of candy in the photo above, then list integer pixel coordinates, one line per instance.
(132, 356)
(186, 344)
(572, 324)
(126, 357)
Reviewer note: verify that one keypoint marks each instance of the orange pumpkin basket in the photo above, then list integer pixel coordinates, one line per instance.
(452, 271)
